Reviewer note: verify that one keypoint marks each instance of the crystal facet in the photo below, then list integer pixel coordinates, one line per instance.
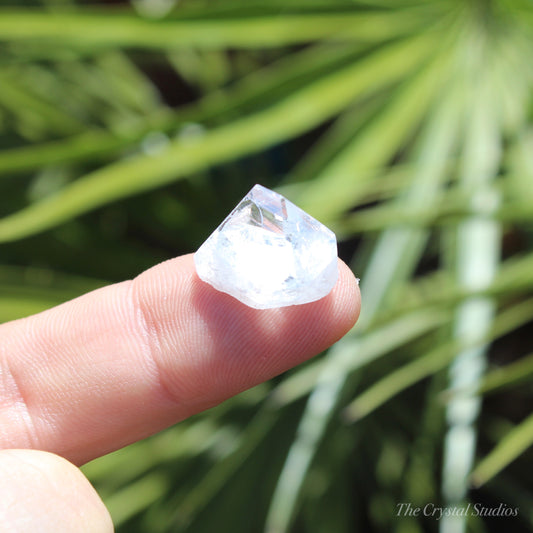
(269, 253)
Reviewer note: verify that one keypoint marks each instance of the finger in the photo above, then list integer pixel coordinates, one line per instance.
(44, 492)
(125, 361)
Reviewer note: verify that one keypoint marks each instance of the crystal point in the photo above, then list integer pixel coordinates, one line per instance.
(269, 253)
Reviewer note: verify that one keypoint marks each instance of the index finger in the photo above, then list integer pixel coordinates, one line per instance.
(122, 362)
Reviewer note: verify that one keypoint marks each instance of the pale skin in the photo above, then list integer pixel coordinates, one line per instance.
(123, 362)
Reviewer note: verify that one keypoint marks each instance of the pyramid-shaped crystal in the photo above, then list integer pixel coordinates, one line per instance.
(269, 253)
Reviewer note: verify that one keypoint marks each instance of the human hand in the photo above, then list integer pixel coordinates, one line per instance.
(123, 362)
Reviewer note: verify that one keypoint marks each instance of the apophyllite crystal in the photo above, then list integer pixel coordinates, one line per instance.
(269, 253)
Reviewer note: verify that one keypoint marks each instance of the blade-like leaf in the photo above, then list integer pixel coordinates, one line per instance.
(97, 30)
(437, 359)
(507, 450)
(308, 107)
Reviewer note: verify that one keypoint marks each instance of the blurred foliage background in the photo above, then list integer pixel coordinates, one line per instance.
(129, 130)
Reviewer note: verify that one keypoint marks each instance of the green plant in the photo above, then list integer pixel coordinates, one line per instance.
(414, 119)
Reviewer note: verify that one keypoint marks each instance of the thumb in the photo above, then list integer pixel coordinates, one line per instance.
(40, 491)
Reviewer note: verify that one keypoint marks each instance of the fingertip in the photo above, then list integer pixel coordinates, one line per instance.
(229, 346)
(41, 491)
(349, 295)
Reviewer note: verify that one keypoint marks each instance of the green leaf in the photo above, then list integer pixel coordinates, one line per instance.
(437, 359)
(518, 440)
(342, 180)
(136, 497)
(33, 110)
(98, 30)
(508, 376)
(307, 107)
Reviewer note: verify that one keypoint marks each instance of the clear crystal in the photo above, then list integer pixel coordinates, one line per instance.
(269, 253)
